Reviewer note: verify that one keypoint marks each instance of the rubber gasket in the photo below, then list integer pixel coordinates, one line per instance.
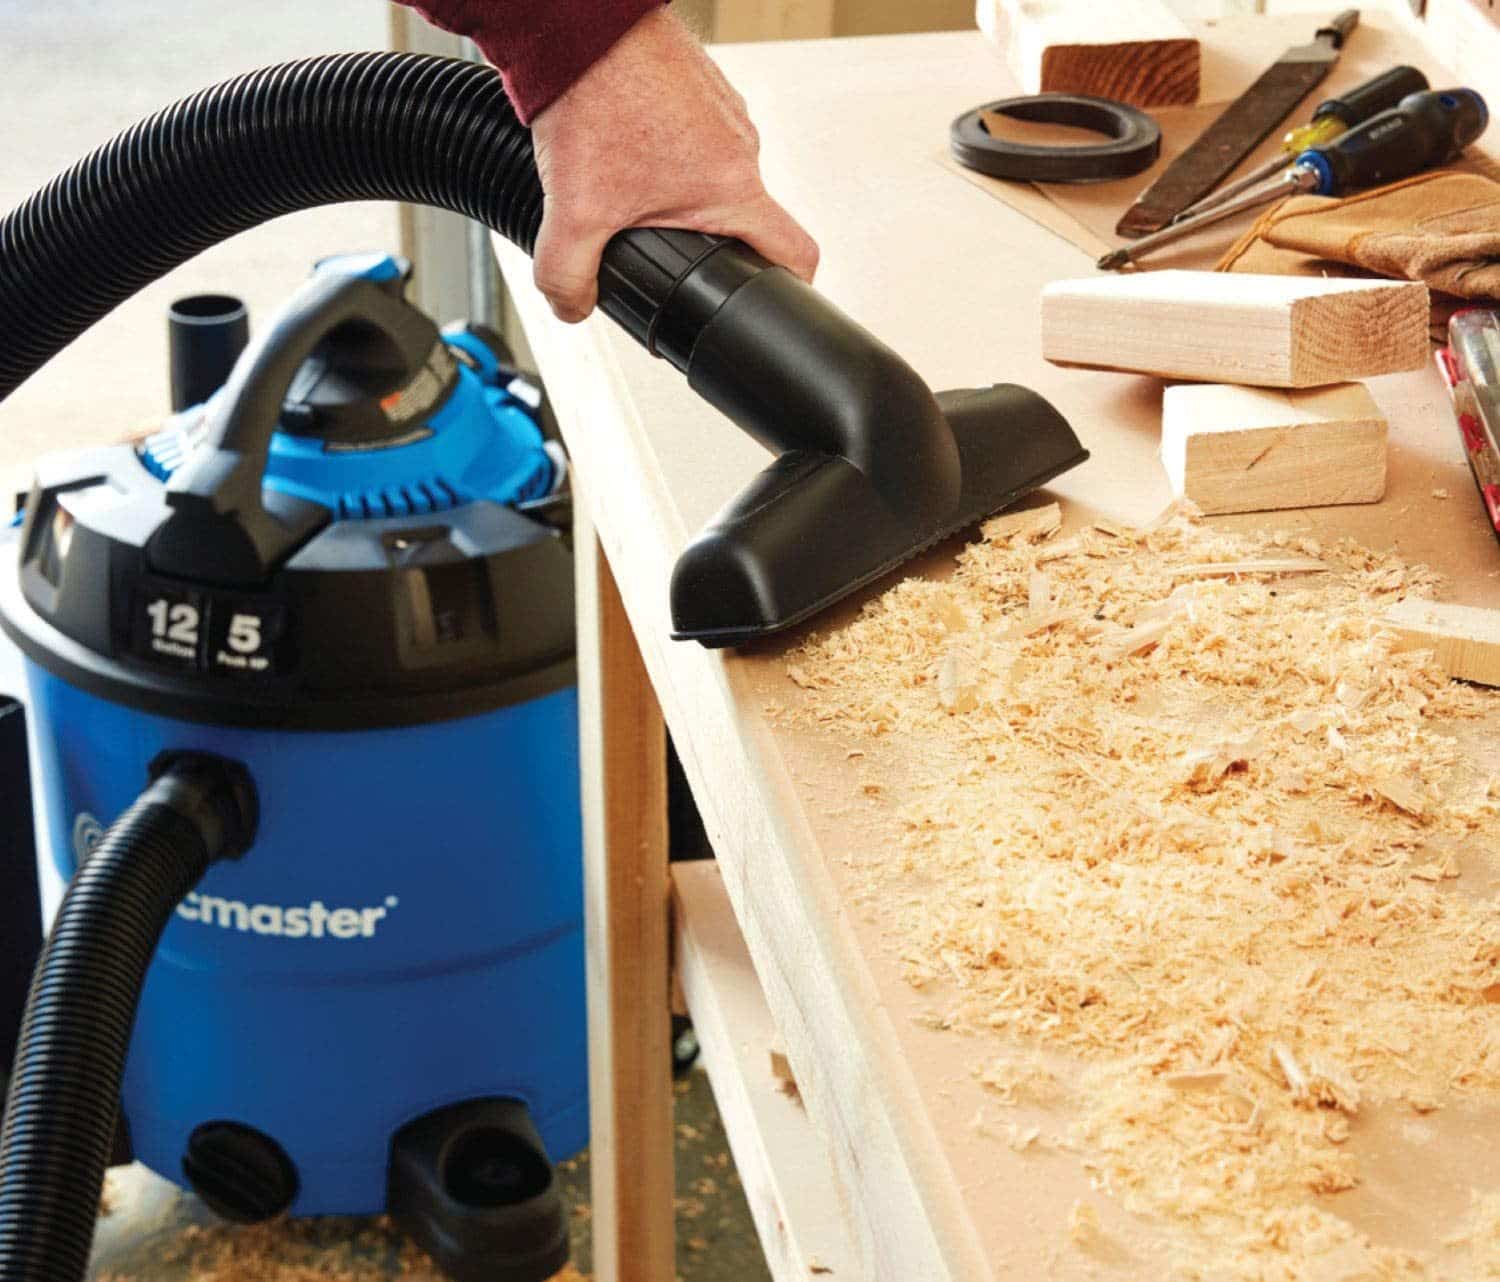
(1134, 140)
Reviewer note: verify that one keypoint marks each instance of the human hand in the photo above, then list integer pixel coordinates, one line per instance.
(651, 135)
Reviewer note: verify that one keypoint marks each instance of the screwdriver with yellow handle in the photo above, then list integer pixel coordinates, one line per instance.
(1332, 118)
(1422, 131)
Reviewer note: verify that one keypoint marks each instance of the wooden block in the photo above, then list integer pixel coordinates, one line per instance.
(1465, 637)
(1266, 331)
(1135, 51)
(1255, 449)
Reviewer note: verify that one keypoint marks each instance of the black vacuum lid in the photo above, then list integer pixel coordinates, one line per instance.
(208, 595)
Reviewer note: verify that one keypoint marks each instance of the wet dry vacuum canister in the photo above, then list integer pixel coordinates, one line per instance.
(348, 572)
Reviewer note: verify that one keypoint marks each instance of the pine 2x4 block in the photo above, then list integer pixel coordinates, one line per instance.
(1264, 331)
(1135, 51)
(1257, 449)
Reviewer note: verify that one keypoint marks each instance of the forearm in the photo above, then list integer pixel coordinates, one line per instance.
(539, 46)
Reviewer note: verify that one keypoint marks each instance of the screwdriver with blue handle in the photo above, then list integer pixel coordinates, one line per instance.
(1421, 132)
(1334, 116)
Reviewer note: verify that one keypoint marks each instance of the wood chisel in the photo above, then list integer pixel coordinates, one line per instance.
(1239, 129)
(1425, 130)
(1333, 117)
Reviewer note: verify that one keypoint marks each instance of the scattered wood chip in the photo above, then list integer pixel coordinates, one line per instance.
(1031, 525)
(1305, 720)
(1207, 765)
(1180, 600)
(949, 613)
(1135, 640)
(1022, 1138)
(1296, 1079)
(1351, 696)
(957, 683)
(1083, 1224)
(1030, 625)
(1271, 565)
(1062, 548)
(1401, 793)
(1444, 870)
(1038, 591)
(1201, 1079)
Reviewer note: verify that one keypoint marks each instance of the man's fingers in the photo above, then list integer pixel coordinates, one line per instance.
(566, 266)
(776, 235)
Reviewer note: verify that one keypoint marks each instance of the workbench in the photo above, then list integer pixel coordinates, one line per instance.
(877, 1173)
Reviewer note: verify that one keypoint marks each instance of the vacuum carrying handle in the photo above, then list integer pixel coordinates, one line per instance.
(228, 467)
(224, 527)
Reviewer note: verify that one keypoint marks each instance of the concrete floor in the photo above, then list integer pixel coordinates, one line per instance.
(76, 72)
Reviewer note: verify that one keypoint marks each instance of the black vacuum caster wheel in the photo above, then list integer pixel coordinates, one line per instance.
(684, 1045)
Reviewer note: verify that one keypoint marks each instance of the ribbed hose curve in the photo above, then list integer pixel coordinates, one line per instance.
(358, 126)
(60, 1113)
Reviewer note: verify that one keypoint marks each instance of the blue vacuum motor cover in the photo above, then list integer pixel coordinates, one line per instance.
(370, 436)
(363, 526)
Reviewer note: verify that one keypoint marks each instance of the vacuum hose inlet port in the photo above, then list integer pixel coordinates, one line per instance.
(205, 335)
(471, 1182)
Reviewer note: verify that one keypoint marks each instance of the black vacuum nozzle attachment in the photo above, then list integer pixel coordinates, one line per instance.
(871, 466)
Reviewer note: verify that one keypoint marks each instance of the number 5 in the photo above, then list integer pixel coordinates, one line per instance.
(244, 633)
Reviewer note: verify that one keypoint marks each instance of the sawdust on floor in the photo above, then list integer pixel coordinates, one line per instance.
(1170, 804)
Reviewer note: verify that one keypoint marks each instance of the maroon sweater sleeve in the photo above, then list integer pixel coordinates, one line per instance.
(540, 46)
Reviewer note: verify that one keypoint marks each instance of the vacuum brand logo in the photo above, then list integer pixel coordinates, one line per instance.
(303, 921)
(315, 920)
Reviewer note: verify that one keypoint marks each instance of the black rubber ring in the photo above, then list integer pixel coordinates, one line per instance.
(1134, 140)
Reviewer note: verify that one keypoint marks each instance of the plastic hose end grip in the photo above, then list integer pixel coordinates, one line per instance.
(216, 794)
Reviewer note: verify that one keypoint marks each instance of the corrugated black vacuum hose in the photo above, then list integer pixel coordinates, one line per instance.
(370, 126)
(64, 1093)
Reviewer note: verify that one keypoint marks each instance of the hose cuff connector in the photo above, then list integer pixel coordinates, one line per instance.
(216, 795)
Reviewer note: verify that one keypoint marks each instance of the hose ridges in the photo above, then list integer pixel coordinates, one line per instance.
(61, 1111)
(358, 126)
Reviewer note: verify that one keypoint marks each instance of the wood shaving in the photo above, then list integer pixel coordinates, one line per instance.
(1270, 565)
(1149, 873)
(1031, 525)
(1136, 640)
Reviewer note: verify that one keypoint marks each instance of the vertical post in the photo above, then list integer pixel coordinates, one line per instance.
(623, 760)
(735, 20)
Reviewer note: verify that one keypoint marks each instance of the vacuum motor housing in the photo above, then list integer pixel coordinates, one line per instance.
(381, 630)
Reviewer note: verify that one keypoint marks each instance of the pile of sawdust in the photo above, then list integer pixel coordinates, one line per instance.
(1171, 804)
(317, 1250)
(296, 1251)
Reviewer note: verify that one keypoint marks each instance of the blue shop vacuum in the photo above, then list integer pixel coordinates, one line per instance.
(301, 667)
(383, 1008)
